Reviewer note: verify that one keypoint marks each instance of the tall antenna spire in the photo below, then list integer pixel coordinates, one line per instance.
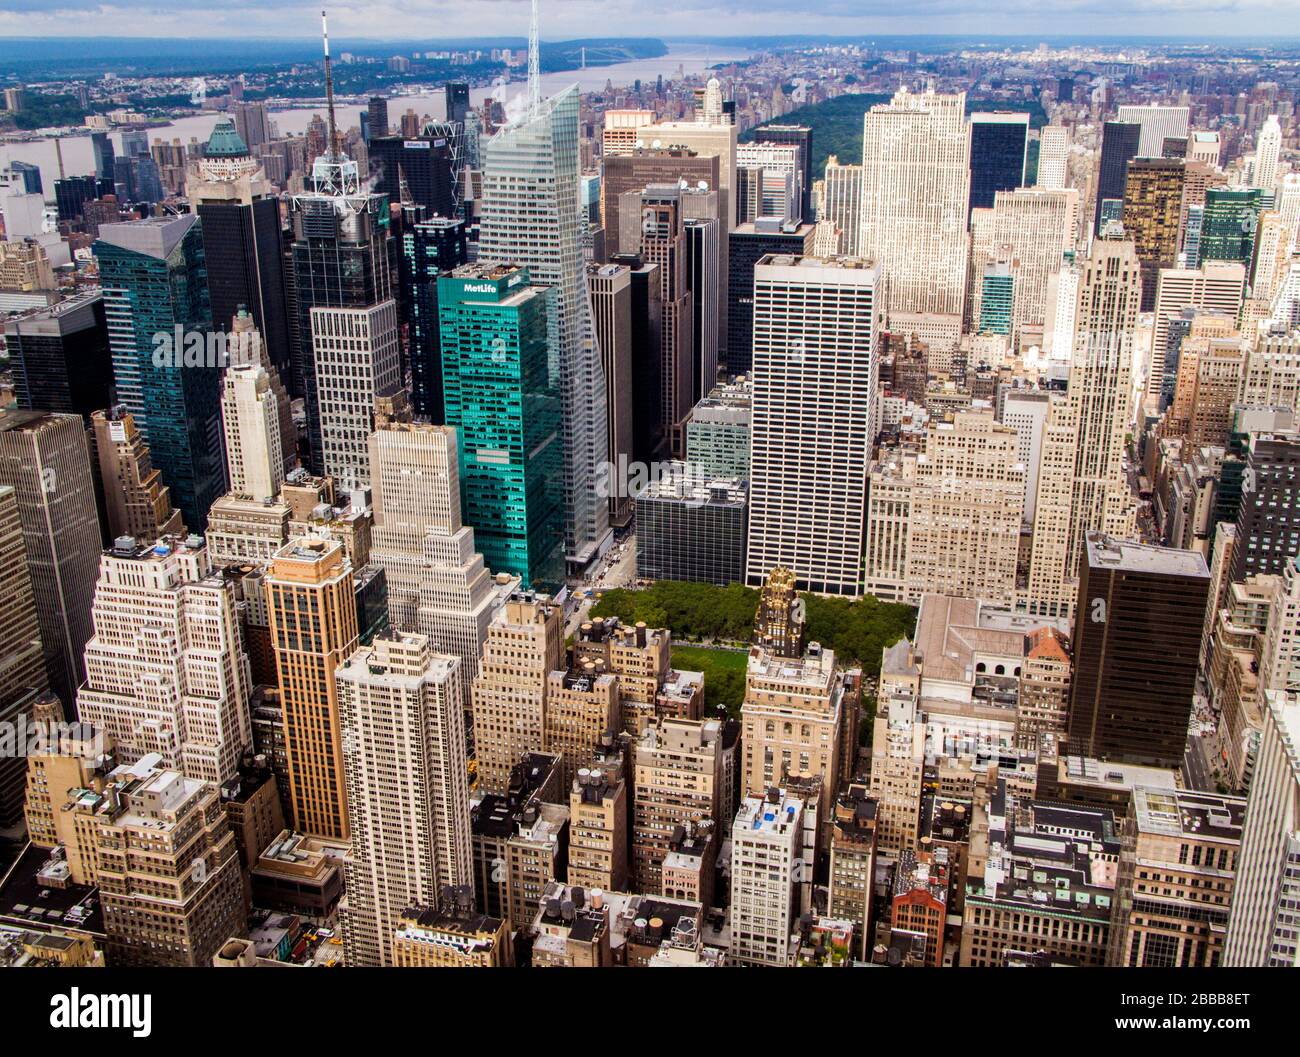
(333, 148)
(534, 66)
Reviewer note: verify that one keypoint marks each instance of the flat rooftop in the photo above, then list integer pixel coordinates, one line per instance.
(1105, 552)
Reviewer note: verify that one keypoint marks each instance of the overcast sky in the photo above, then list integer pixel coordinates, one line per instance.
(567, 19)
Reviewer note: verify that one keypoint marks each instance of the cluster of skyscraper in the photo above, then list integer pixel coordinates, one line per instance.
(293, 505)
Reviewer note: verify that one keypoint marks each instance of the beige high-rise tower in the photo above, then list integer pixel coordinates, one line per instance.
(1098, 412)
(948, 522)
(400, 703)
(166, 671)
(136, 500)
(792, 721)
(525, 643)
(313, 618)
(250, 415)
(437, 582)
(915, 194)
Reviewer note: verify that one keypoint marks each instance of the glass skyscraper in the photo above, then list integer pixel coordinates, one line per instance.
(500, 394)
(1119, 143)
(242, 234)
(342, 257)
(998, 147)
(1228, 224)
(155, 281)
(430, 247)
(532, 217)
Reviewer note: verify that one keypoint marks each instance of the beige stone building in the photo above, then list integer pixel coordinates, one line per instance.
(598, 834)
(525, 643)
(166, 671)
(581, 705)
(677, 781)
(136, 500)
(451, 936)
(1177, 865)
(792, 721)
(948, 521)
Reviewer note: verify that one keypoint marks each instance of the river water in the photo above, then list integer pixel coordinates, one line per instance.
(78, 159)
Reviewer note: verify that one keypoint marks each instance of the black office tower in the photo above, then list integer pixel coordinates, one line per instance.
(1268, 520)
(376, 118)
(105, 156)
(60, 359)
(801, 137)
(457, 100)
(749, 244)
(72, 193)
(244, 240)
(1137, 642)
(425, 164)
(430, 247)
(647, 322)
(998, 146)
(1119, 144)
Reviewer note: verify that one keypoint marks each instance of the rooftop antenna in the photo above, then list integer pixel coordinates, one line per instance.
(58, 153)
(329, 88)
(534, 67)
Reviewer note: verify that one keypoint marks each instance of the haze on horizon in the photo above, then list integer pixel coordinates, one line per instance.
(569, 19)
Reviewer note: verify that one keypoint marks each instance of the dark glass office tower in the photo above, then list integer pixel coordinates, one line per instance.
(648, 439)
(71, 195)
(240, 215)
(376, 117)
(104, 155)
(1137, 641)
(430, 248)
(1228, 226)
(1119, 143)
(1268, 520)
(343, 256)
(750, 243)
(425, 164)
(154, 276)
(457, 100)
(998, 145)
(60, 358)
(801, 137)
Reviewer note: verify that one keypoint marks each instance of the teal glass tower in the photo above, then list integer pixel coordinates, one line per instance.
(166, 367)
(997, 299)
(1228, 224)
(500, 392)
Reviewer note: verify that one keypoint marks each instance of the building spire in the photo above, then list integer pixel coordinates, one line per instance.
(534, 66)
(333, 146)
